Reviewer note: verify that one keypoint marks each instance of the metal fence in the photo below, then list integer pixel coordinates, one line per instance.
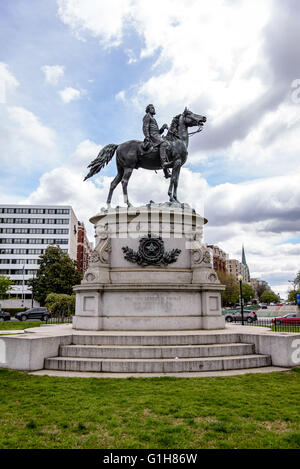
(59, 320)
(275, 324)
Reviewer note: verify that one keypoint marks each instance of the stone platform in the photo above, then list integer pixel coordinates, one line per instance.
(61, 350)
(149, 271)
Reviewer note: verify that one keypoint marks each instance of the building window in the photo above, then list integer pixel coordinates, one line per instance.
(22, 210)
(49, 221)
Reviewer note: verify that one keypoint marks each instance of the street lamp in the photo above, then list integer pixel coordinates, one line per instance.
(240, 279)
(32, 290)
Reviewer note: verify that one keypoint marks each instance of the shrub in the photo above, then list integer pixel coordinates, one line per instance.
(60, 304)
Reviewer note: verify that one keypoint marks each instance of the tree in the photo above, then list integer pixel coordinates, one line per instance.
(297, 281)
(292, 297)
(57, 274)
(261, 287)
(5, 285)
(248, 292)
(269, 296)
(231, 293)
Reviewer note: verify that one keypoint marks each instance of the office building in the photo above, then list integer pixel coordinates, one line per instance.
(25, 232)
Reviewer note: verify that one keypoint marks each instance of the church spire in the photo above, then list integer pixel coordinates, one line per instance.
(243, 256)
(244, 262)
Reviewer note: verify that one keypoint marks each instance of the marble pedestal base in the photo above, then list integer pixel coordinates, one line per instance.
(147, 307)
(118, 294)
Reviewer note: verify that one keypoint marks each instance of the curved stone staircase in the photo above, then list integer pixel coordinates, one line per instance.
(157, 353)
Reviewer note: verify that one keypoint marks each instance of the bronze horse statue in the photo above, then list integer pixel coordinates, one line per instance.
(131, 155)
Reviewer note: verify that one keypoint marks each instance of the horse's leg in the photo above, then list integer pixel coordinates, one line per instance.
(170, 191)
(174, 180)
(125, 179)
(176, 184)
(114, 184)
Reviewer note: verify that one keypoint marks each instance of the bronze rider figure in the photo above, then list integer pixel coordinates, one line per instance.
(153, 137)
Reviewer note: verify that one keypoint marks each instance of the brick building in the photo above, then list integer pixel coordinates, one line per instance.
(219, 258)
(83, 248)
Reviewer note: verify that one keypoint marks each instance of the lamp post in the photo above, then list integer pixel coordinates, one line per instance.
(32, 290)
(240, 279)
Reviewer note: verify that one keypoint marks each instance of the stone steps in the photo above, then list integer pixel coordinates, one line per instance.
(153, 351)
(155, 339)
(161, 365)
(156, 353)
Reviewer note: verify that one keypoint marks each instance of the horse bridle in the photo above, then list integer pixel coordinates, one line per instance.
(200, 128)
(196, 131)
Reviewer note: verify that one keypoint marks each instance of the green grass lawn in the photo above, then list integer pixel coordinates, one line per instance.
(247, 411)
(19, 325)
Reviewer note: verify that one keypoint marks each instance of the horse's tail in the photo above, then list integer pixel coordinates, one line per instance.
(104, 157)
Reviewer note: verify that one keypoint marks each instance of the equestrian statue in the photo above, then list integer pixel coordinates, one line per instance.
(154, 153)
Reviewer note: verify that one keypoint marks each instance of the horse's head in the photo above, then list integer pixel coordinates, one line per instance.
(192, 119)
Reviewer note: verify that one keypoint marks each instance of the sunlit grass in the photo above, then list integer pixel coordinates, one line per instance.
(247, 411)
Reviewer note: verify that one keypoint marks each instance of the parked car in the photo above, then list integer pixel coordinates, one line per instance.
(263, 306)
(249, 316)
(291, 318)
(34, 313)
(4, 316)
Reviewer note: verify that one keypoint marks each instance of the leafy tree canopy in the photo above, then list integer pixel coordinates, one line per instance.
(231, 294)
(5, 285)
(269, 296)
(60, 304)
(293, 295)
(57, 274)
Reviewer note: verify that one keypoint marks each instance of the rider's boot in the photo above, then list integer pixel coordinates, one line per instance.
(164, 160)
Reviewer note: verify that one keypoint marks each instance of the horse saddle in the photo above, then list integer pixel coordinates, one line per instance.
(146, 147)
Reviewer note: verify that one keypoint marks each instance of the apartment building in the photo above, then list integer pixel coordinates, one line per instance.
(25, 232)
(236, 268)
(219, 258)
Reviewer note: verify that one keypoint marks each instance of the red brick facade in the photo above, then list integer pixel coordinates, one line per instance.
(219, 258)
(83, 249)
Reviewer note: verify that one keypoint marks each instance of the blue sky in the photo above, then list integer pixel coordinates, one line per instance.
(76, 76)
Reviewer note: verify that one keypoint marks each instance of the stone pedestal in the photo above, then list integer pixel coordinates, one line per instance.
(149, 271)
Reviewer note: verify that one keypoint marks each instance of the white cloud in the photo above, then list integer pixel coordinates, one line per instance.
(120, 96)
(30, 128)
(70, 94)
(53, 73)
(261, 200)
(64, 185)
(101, 19)
(85, 152)
(8, 82)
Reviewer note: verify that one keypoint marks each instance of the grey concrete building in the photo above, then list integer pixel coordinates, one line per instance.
(25, 232)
